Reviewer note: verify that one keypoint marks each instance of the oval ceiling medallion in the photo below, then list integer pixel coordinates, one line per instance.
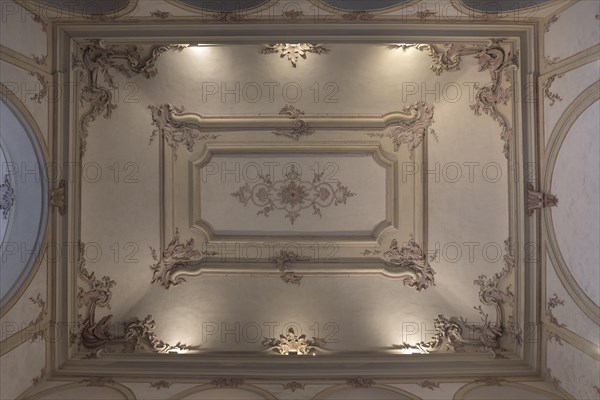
(365, 5)
(221, 6)
(87, 7)
(498, 7)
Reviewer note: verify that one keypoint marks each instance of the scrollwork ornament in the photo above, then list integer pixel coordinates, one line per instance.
(176, 256)
(300, 127)
(360, 382)
(294, 51)
(7, 196)
(292, 343)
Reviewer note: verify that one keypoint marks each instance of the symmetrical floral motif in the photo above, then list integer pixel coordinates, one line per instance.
(486, 335)
(293, 386)
(293, 51)
(7, 196)
(160, 384)
(491, 57)
(283, 262)
(174, 132)
(43, 92)
(292, 343)
(292, 14)
(429, 385)
(292, 194)
(40, 60)
(553, 97)
(98, 61)
(96, 336)
(160, 14)
(227, 382)
(411, 257)
(300, 127)
(539, 200)
(358, 16)
(423, 15)
(360, 383)
(175, 257)
(57, 197)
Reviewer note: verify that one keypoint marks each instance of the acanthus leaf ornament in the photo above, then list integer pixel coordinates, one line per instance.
(552, 303)
(294, 51)
(456, 333)
(300, 127)
(97, 336)
(227, 382)
(176, 256)
(283, 263)
(429, 385)
(43, 92)
(292, 194)
(174, 132)
(539, 200)
(360, 382)
(292, 343)
(553, 97)
(293, 386)
(98, 62)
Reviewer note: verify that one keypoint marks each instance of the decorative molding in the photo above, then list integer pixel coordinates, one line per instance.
(7, 196)
(292, 14)
(551, 95)
(175, 257)
(360, 383)
(555, 336)
(174, 132)
(412, 132)
(98, 381)
(411, 257)
(552, 20)
(293, 51)
(283, 261)
(96, 336)
(539, 200)
(429, 385)
(40, 60)
(97, 63)
(293, 386)
(37, 379)
(423, 15)
(300, 127)
(551, 61)
(491, 57)
(227, 382)
(36, 18)
(292, 343)
(161, 15)
(552, 303)
(358, 16)
(490, 380)
(486, 335)
(57, 197)
(43, 92)
(160, 384)
(292, 194)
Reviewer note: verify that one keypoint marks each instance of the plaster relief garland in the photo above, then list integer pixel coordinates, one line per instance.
(294, 51)
(300, 127)
(412, 258)
(292, 343)
(293, 386)
(97, 336)
(43, 92)
(455, 333)
(552, 303)
(173, 259)
(98, 63)
(292, 194)
(491, 57)
(175, 133)
(553, 97)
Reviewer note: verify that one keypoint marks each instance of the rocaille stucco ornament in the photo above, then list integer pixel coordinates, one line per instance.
(175, 257)
(284, 262)
(409, 256)
(292, 194)
(538, 200)
(300, 127)
(456, 333)
(98, 62)
(174, 132)
(294, 51)
(292, 343)
(492, 58)
(97, 336)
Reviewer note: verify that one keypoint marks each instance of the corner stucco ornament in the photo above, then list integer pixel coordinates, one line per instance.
(294, 51)
(97, 63)
(97, 336)
(491, 57)
(456, 333)
(292, 343)
(176, 256)
(174, 132)
(411, 257)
